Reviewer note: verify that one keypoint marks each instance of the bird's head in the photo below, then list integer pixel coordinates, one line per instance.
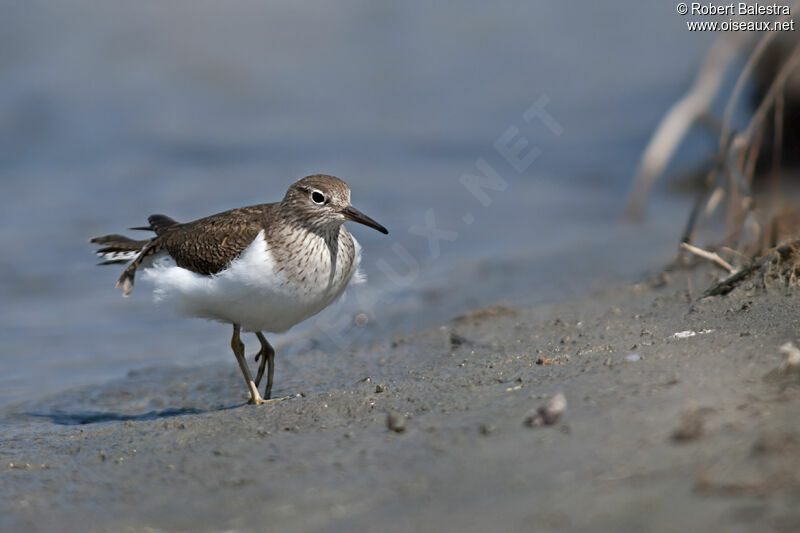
(323, 202)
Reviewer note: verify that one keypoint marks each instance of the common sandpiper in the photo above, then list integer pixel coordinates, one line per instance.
(260, 268)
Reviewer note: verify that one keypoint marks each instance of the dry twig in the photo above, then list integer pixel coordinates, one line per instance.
(711, 256)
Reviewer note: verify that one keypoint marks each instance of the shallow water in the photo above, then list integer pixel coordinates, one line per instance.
(114, 113)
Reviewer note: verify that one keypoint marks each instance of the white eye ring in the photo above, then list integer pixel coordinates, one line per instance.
(317, 197)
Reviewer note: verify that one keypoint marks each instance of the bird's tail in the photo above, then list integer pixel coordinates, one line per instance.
(120, 249)
(117, 249)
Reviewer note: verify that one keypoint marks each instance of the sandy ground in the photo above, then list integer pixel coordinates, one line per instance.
(661, 433)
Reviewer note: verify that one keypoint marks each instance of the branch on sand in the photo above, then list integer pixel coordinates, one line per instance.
(783, 252)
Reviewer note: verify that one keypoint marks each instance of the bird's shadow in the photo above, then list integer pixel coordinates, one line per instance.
(95, 417)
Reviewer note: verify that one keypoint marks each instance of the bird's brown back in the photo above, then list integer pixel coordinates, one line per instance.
(208, 245)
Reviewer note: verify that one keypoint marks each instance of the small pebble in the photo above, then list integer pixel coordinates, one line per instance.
(485, 429)
(380, 387)
(547, 361)
(633, 357)
(395, 422)
(691, 425)
(791, 361)
(458, 340)
(549, 414)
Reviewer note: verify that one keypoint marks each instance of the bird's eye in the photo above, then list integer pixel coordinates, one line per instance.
(317, 197)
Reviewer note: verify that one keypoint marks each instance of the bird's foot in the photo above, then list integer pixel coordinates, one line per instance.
(261, 401)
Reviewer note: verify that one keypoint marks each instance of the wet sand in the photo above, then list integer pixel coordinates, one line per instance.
(661, 433)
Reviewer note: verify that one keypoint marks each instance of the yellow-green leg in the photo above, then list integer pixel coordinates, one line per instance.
(238, 350)
(267, 355)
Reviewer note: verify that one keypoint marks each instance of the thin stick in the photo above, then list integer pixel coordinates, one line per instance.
(703, 198)
(691, 223)
(752, 157)
(711, 256)
(734, 162)
(780, 79)
(727, 115)
(678, 121)
(777, 144)
(713, 202)
(777, 138)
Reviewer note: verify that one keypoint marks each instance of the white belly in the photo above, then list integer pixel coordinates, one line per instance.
(249, 292)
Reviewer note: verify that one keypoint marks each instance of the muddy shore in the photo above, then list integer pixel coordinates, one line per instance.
(662, 432)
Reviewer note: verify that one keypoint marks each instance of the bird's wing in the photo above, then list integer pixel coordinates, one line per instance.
(208, 245)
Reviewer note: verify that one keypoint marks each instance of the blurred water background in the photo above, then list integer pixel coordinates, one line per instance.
(111, 111)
